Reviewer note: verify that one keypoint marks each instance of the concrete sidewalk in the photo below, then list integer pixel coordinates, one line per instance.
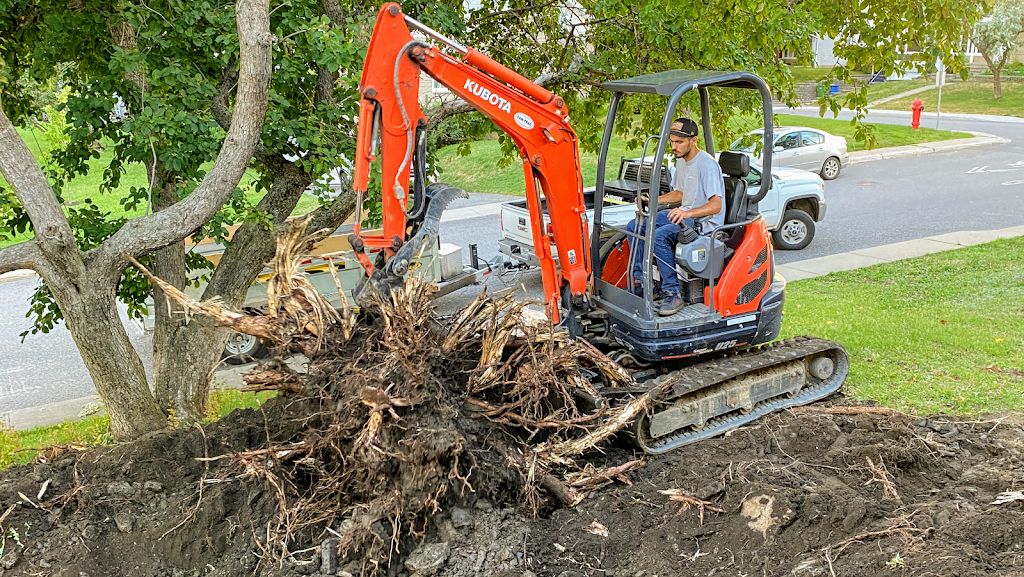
(24, 419)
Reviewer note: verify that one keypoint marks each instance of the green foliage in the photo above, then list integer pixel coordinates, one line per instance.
(999, 35)
(103, 53)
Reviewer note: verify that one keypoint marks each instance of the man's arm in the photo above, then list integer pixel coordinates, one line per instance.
(674, 197)
(714, 204)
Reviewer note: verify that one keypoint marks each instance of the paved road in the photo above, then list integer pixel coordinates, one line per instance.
(46, 368)
(887, 201)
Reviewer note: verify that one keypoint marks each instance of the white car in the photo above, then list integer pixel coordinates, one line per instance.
(800, 147)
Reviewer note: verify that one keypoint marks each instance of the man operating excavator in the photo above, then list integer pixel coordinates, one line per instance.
(698, 189)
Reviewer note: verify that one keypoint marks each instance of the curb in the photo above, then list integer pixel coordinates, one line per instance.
(979, 139)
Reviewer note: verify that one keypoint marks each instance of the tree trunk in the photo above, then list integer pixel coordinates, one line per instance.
(84, 284)
(169, 317)
(90, 311)
(188, 352)
(994, 68)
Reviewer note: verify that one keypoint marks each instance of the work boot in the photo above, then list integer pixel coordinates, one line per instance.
(671, 304)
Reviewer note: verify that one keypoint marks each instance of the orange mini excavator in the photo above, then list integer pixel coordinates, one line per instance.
(727, 275)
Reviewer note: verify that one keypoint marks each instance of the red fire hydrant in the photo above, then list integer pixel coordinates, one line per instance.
(917, 107)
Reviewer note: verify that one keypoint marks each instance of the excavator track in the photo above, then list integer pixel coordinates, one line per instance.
(714, 396)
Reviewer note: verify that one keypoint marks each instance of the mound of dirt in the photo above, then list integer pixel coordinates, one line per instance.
(482, 446)
(805, 494)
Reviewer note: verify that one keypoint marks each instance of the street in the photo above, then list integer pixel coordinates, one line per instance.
(870, 204)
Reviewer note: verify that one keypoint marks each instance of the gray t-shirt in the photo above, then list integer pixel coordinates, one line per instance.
(700, 179)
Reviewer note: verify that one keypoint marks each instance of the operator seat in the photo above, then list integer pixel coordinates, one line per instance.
(735, 166)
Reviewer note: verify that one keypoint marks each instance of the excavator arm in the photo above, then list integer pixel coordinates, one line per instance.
(534, 118)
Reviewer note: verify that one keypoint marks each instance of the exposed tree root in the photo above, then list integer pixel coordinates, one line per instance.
(408, 416)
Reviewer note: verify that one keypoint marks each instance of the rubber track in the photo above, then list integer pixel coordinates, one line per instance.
(720, 370)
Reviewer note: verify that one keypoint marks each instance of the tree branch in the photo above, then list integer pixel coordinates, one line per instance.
(24, 255)
(32, 188)
(325, 79)
(331, 216)
(145, 234)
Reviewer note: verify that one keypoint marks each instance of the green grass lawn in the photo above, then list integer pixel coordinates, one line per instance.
(968, 98)
(940, 333)
(478, 171)
(893, 87)
(88, 186)
(20, 447)
(807, 73)
(885, 134)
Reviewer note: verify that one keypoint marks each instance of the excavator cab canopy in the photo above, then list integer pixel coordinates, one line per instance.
(665, 83)
(672, 84)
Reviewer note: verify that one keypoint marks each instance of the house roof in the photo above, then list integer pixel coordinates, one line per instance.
(665, 83)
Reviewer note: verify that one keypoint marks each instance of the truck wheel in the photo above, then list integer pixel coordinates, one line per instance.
(242, 348)
(795, 231)
(830, 169)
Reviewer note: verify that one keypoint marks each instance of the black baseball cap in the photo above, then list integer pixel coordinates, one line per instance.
(688, 128)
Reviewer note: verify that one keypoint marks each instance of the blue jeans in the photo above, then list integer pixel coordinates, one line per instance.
(665, 233)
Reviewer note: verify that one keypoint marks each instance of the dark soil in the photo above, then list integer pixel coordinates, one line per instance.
(796, 489)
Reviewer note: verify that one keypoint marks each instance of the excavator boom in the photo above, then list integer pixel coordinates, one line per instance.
(535, 119)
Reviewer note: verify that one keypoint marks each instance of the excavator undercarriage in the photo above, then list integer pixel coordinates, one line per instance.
(721, 393)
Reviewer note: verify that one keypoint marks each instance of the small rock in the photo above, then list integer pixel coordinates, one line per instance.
(124, 521)
(461, 518)
(484, 505)
(428, 558)
(9, 560)
(329, 557)
(90, 532)
(344, 574)
(951, 433)
(708, 490)
(153, 486)
(529, 574)
(121, 489)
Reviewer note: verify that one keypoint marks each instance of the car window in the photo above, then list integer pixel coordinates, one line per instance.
(747, 143)
(812, 138)
(788, 141)
(753, 178)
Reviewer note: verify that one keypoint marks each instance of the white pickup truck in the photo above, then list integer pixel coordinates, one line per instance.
(795, 201)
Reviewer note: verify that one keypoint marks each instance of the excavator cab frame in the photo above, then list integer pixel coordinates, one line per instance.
(633, 320)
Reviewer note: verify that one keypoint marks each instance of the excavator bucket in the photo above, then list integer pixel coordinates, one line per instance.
(389, 274)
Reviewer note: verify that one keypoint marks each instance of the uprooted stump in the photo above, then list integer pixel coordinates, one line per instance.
(412, 415)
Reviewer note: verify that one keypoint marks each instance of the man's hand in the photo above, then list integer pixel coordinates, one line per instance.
(678, 215)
